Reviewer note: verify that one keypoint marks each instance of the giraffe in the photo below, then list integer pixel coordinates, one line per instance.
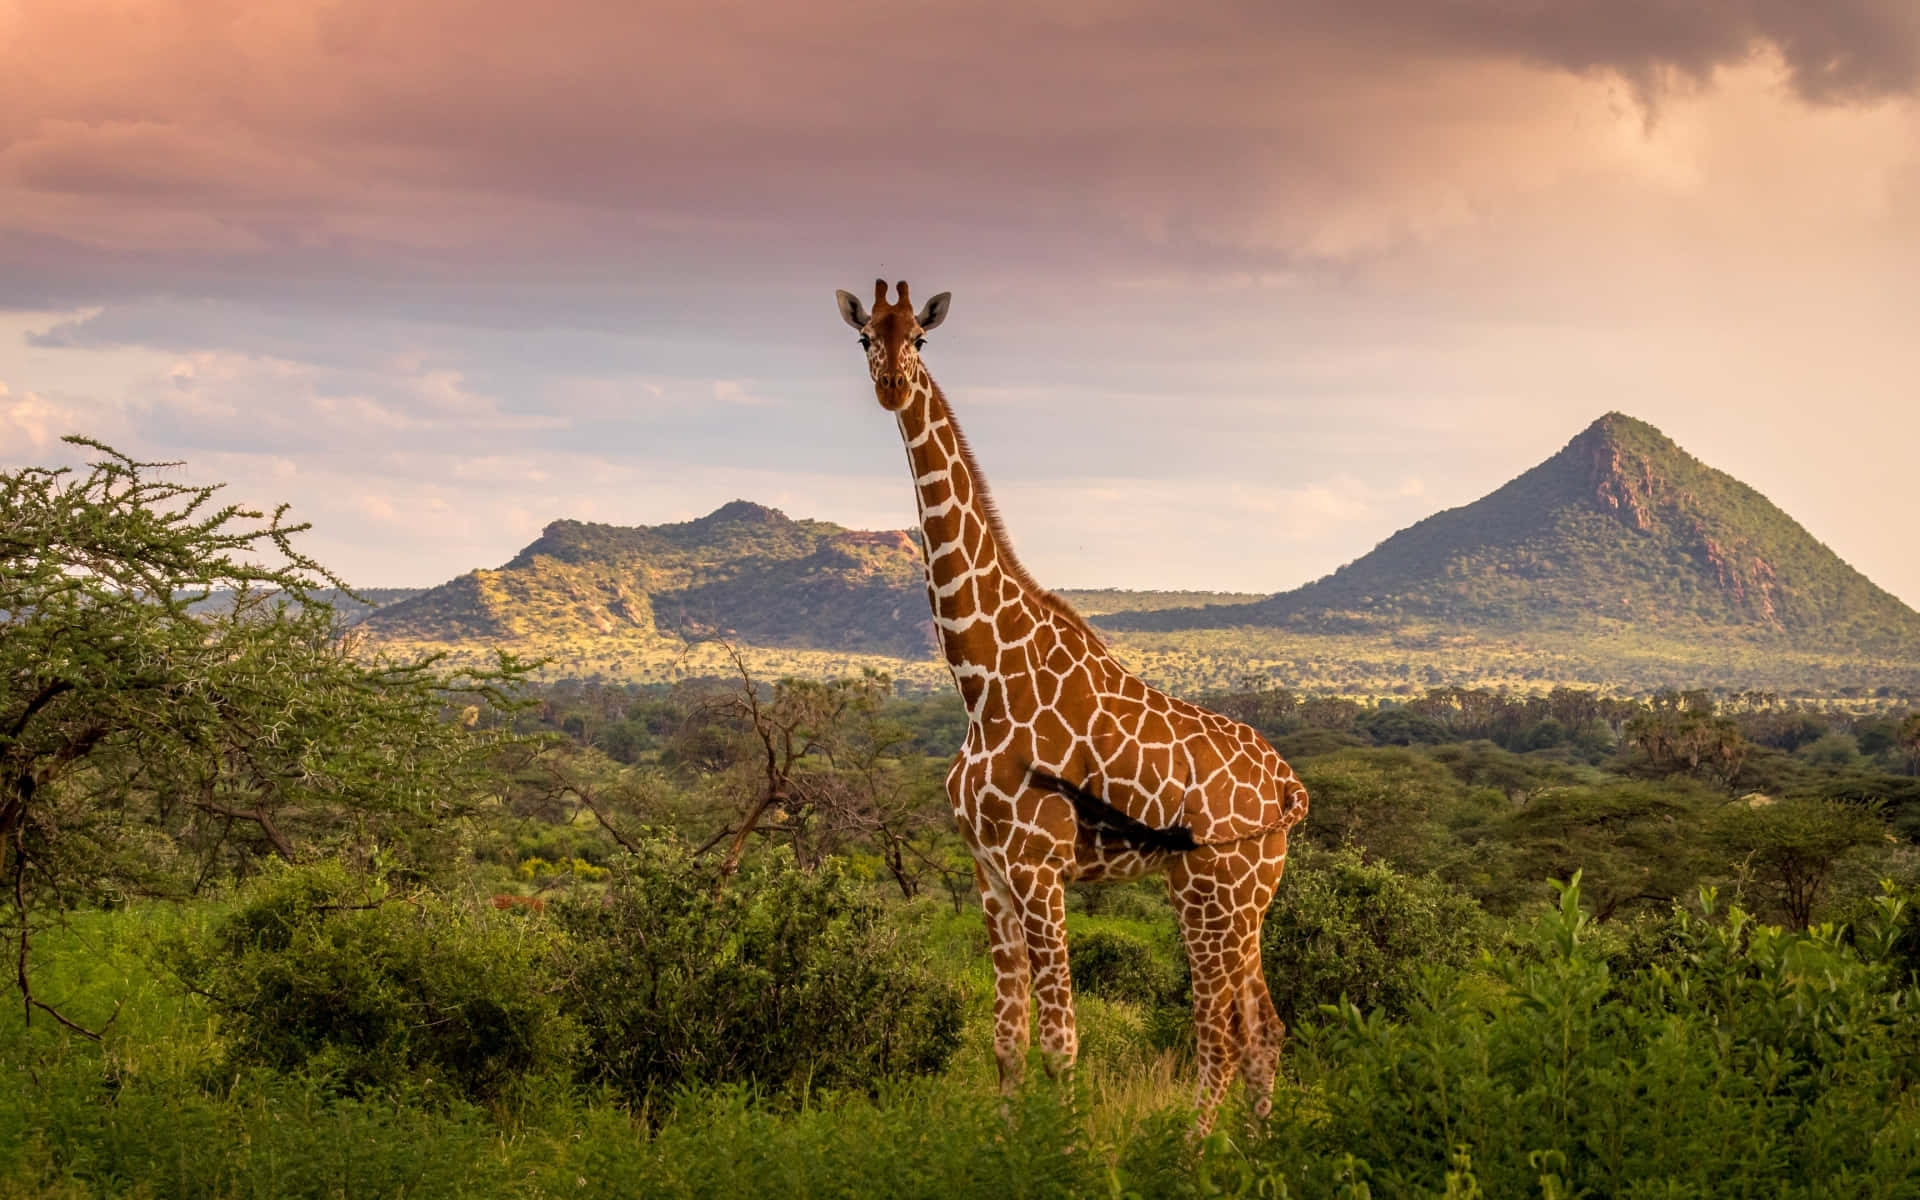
(1073, 768)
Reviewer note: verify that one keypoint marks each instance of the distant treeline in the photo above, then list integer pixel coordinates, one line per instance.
(1735, 738)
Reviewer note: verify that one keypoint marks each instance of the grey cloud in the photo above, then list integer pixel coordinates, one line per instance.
(467, 162)
(1836, 51)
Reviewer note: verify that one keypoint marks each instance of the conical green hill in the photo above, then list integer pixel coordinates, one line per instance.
(1621, 526)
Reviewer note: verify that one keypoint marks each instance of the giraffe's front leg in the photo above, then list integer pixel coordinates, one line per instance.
(1041, 893)
(1007, 941)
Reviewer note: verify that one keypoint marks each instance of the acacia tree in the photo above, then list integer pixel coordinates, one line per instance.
(1678, 733)
(175, 697)
(1907, 737)
(1793, 850)
(820, 765)
(896, 801)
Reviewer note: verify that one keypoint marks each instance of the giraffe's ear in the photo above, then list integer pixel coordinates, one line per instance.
(851, 310)
(935, 311)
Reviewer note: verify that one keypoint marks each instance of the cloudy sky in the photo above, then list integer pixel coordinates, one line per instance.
(1239, 288)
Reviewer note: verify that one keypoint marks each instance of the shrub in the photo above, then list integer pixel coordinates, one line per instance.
(1795, 850)
(1137, 900)
(786, 978)
(1345, 927)
(1398, 727)
(1391, 801)
(315, 969)
(1119, 966)
(1833, 750)
(1745, 1060)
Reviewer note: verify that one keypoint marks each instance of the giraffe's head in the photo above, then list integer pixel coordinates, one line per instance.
(892, 335)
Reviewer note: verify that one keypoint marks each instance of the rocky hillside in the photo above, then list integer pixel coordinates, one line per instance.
(742, 572)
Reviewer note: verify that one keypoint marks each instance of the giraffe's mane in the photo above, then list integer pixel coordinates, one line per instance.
(1009, 561)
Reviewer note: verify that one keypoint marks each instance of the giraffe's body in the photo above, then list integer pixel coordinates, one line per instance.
(1073, 768)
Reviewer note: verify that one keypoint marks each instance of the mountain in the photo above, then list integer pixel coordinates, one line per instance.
(1620, 562)
(633, 598)
(1622, 526)
(742, 572)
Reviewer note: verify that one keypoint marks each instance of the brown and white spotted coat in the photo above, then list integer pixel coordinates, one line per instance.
(1073, 768)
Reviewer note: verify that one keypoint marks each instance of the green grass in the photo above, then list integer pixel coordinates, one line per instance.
(149, 1111)
(1738, 1060)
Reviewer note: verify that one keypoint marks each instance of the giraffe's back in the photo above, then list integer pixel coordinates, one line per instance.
(1155, 758)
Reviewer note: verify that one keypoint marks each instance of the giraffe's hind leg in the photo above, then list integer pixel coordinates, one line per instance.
(1219, 1023)
(1217, 953)
(1221, 894)
(1265, 1031)
(1007, 941)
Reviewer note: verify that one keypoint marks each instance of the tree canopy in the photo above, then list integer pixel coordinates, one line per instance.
(148, 739)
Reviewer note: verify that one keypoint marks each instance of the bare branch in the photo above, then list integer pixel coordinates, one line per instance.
(22, 978)
(259, 817)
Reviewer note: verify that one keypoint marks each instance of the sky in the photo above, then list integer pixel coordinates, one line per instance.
(1240, 288)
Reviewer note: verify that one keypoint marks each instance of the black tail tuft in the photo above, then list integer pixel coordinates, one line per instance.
(1107, 821)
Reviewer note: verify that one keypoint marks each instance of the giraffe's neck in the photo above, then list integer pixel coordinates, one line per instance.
(972, 575)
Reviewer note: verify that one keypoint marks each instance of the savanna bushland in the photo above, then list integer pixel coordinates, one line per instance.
(300, 914)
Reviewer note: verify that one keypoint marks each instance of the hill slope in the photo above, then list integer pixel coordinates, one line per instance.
(651, 601)
(743, 572)
(1622, 525)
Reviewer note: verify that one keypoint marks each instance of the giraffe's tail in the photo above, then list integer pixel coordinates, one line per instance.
(1109, 822)
(1293, 808)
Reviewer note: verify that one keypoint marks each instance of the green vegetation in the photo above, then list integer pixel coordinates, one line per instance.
(294, 922)
(1120, 966)
(1357, 932)
(321, 972)
(791, 980)
(1621, 657)
(146, 749)
(1738, 1060)
(1405, 662)
(742, 572)
(1726, 1058)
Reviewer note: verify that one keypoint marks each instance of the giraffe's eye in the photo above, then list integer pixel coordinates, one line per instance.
(919, 342)
(866, 343)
